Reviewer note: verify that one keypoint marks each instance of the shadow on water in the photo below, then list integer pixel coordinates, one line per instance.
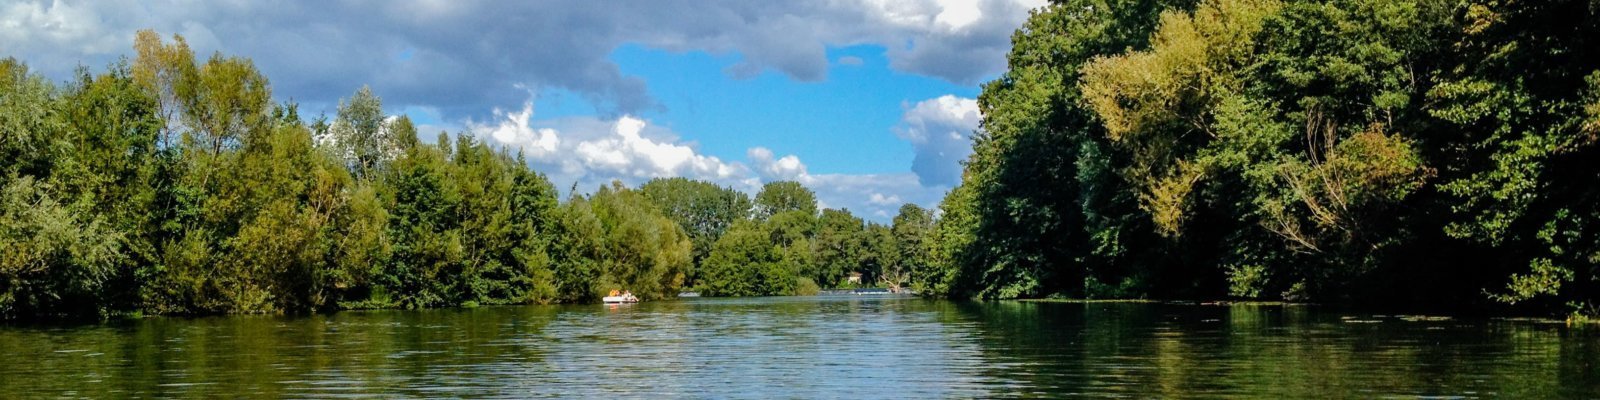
(809, 347)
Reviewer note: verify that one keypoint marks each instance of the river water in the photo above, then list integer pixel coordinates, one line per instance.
(809, 347)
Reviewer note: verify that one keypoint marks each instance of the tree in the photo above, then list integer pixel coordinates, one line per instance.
(838, 248)
(54, 262)
(425, 227)
(911, 232)
(744, 262)
(229, 106)
(358, 132)
(645, 252)
(781, 196)
(577, 248)
(704, 210)
(168, 73)
(1029, 219)
(882, 260)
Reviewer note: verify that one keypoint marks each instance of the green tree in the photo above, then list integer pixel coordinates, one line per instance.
(577, 247)
(424, 227)
(703, 209)
(645, 252)
(838, 247)
(1028, 218)
(744, 262)
(54, 262)
(782, 196)
(911, 230)
(882, 261)
(360, 135)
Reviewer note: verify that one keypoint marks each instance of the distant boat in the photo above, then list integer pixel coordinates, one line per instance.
(623, 298)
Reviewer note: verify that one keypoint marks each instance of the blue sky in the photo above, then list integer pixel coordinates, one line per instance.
(839, 125)
(868, 102)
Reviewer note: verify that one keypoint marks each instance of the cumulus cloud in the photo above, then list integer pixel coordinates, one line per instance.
(588, 152)
(465, 57)
(591, 151)
(857, 193)
(513, 131)
(787, 168)
(880, 199)
(940, 131)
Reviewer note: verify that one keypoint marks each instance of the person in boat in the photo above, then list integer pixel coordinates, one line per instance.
(614, 293)
(627, 294)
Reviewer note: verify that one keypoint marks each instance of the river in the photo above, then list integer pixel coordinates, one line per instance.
(809, 347)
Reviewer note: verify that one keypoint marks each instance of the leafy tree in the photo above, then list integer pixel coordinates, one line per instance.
(838, 248)
(645, 252)
(704, 210)
(168, 73)
(882, 257)
(778, 197)
(425, 230)
(1028, 219)
(55, 262)
(912, 230)
(577, 247)
(362, 135)
(744, 262)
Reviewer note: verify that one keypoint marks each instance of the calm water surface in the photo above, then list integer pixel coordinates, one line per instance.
(809, 347)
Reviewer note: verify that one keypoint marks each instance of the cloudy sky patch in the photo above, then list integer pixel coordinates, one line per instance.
(558, 81)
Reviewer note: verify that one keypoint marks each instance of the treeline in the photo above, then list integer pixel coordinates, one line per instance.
(1425, 152)
(171, 185)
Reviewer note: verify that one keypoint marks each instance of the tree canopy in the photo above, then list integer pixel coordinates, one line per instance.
(1420, 152)
(171, 185)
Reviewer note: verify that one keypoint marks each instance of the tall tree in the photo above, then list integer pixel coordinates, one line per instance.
(838, 246)
(781, 196)
(359, 133)
(703, 209)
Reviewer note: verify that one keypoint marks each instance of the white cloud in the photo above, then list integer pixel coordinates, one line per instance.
(787, 168)
(957, 14)
(513, 131)
(940, 131)
(590, 152)
(880, 199)
(855, 192)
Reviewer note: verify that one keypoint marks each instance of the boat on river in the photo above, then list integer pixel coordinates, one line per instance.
(619, 298)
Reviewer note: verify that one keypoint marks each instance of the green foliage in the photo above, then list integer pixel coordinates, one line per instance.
(1354, 150)
(54, 262)
(839, 245)
(577, 248)
(170, 186)
(363, 137)
(644, 251)
(783, 196)
(1339, 150)
(744, 262)
(704, 210)
(1033, 217)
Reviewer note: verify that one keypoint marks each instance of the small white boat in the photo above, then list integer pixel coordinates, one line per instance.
(626, 298)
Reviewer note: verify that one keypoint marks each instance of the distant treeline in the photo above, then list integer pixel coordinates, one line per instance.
(1400, 152)
(168, 185)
